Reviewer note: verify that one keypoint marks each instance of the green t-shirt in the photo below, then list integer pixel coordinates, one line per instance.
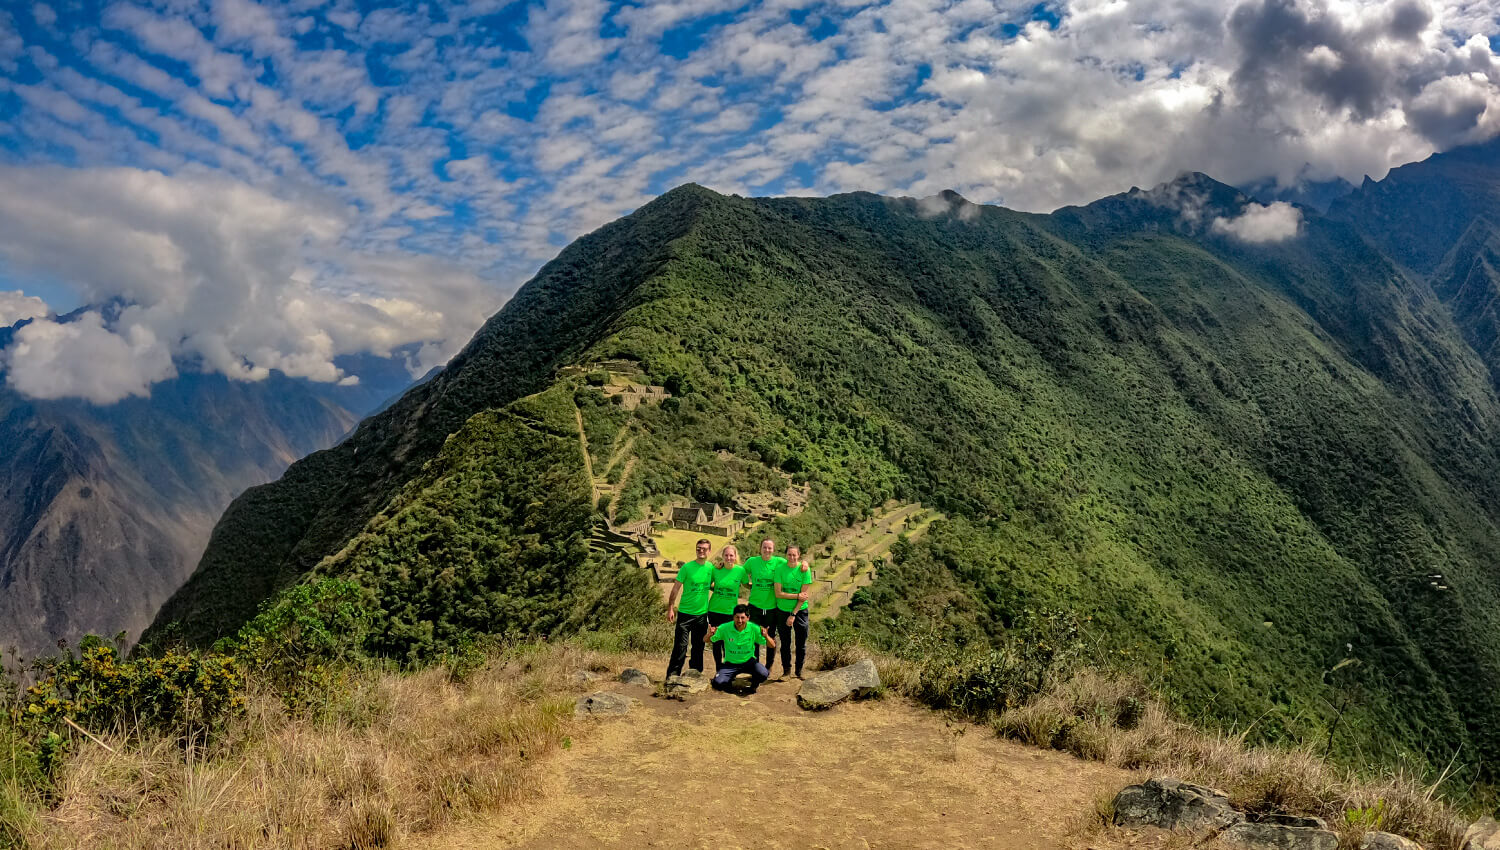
(727, 582)
(792, 579)
(696, 579)
(762, 575)
(739, 645)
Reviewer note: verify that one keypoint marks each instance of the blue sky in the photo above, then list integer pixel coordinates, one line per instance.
(270, 185)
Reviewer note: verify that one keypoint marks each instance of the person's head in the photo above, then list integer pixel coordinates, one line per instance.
(730, 555)
(793, 553)
(741, 616)
(767, 548)
(704, 547)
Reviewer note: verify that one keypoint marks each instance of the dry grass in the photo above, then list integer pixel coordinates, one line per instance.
(399, 756)
(1113, 720)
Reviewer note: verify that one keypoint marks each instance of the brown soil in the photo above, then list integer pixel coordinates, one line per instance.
(723, 771)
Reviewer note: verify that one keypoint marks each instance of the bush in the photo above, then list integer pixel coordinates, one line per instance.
(98, 689)
(298, 643)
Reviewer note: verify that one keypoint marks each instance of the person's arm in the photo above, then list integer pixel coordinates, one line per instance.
(800, 596)
(672, 602)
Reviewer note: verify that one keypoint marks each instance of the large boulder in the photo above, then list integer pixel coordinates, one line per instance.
(1483, 835)
(604, 704)
(1172, 804)
(1266, 835)
(857, 680)
(1386, 841)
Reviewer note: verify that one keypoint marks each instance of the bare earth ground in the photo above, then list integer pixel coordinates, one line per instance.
(723, 771)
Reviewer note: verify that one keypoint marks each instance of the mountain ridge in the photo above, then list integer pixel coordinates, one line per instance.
(1243, 460)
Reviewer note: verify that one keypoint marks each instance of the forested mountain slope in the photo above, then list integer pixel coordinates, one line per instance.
(1248, 463)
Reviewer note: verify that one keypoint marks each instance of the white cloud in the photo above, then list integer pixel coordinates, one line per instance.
(217, 271)
(84, 359)
(1258, 224)
(17, 305)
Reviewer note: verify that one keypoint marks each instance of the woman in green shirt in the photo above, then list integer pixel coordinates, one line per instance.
(791, 588)
(728, 579)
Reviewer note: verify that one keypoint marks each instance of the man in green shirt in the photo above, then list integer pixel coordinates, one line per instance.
(729, 577)
(741, 640)
(791, 590)
(761, 571)
(688, 609)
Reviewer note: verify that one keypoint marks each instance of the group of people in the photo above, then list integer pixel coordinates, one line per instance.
(706, 609)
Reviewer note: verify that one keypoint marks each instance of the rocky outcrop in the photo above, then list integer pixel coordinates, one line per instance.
(1171, 804)
(1270, 835)
(604, 704)
(1168, 803)
(1483, 835)
(1386, 841)
(857, 680)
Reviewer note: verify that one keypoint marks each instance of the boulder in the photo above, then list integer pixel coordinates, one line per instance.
(1263, 835)
(583, 677)
(857, 680)
(604, 703)
(1386, 841)
(1172, 804)
(633, 676)
(691, 682)
(1483, 835)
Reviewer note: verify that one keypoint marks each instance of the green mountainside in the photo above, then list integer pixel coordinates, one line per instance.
(1267, 473)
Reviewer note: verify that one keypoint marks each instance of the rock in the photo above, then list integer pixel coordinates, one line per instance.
(1172, 804)
(690, 683)
(1386, 841)
(857, 680)
(1483, 835)
(740, 684)
(583, 677)
(1273, 836)
(604, 703)
(632, 676)
(1291, 820)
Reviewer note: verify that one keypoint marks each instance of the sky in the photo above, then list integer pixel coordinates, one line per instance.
(249, 187)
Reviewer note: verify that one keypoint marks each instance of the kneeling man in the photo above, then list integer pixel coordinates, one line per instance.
(742, 640)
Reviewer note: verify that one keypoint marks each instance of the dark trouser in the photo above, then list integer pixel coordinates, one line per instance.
(784, 634)
(766, 619)
(715, 620)
(758, 673)
(689, 634)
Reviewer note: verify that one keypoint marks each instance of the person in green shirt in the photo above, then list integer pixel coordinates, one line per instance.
(791, 590)
(741, 640)
(761, 573)
(729, 578)
(687, 608)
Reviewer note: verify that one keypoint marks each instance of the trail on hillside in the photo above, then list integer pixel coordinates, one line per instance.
(724, 771)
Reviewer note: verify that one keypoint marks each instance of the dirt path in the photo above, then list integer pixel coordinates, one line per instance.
(728, 772)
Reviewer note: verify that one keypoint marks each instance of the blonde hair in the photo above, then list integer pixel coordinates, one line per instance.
(724, 555)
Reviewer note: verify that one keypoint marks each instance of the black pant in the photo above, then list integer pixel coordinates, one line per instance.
(784, 635)
(766, 618)
(758, 673)
(715, 620)
(689, 634)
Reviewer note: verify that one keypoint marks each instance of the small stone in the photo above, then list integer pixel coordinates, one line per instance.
(1386, 841)
(690, 683)
(604, 703)
(1271, 836)
(583, 677)
(1483, 835)
(1172, 804)
(859, 679)
(633, 676)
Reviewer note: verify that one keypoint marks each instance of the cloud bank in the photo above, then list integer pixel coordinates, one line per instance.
(273, 184)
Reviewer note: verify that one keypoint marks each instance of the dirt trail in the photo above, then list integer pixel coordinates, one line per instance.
(723, 771)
